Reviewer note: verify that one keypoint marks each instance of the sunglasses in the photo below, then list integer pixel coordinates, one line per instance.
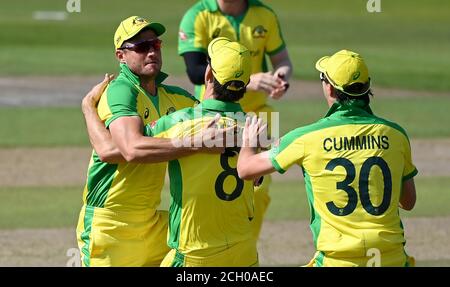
(144, 46)
(323, 77)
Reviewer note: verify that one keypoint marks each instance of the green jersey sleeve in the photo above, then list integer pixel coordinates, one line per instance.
(192, 33)
(121, 101)
(275, 42)
(289, 150)
(410, 169)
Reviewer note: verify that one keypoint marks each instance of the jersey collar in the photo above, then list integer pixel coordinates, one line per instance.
(219, 106)
(352, 108)
(212, 5)
(135, 79)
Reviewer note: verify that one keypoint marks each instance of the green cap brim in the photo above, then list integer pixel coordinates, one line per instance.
(158, 28)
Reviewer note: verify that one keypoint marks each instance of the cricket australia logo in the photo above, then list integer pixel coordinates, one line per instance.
(170, 110)
(139, 21)
(259, 32)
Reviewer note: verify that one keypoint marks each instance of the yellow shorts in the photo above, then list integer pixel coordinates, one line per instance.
(393, 258)
(107, 238)
(243, 254)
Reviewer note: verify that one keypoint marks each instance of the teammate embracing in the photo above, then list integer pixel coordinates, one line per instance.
(256, 26)
(119, 223)
(211, 211)
(357, 167)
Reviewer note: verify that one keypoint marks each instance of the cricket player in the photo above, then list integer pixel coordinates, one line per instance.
(211, 208)
(254, 25)
(357, 167)
(119, 224)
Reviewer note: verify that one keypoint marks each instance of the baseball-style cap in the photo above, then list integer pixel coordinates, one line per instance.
(343, 69)
(131, 26)
(230, 61)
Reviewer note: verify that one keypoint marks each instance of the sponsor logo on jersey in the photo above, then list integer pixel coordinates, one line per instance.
(259, 32)
(183, 36)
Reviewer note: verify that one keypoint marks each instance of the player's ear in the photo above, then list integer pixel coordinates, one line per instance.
(331, 91)
(208, 74)
(120, 56)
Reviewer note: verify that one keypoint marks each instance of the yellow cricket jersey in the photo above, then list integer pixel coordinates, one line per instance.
(211, 207)
(131, 186)
(354, 164)
(257, 29)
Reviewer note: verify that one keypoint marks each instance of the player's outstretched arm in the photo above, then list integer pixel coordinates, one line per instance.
(99, 136)
(408, 195)
(282, 66)
(251, 164)
(127, 134)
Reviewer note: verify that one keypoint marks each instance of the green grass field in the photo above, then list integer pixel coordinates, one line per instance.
(406, 45)
(47, 207)
(31, 127)
(421, 118)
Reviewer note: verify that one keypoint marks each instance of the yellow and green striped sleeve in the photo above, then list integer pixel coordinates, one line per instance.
(191, 35)
(410, 169)
(121, 100)
(290, 150)
(275, 42)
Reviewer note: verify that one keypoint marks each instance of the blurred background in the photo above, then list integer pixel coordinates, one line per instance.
(50, 58)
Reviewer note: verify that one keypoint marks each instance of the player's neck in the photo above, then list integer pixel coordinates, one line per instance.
(148, 84)
(232, 8)
(209, 93)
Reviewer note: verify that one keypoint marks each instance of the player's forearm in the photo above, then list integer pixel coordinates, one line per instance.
(99, 136)
(284, 69)
(408, 195)
(154, 150)
(103, 145)
(127, 134)
(245, 167)
(252, 165)
(282, 65)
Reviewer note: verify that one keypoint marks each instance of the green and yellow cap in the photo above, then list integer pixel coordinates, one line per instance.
(131, 26)
(344, 69)
(230, 63)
